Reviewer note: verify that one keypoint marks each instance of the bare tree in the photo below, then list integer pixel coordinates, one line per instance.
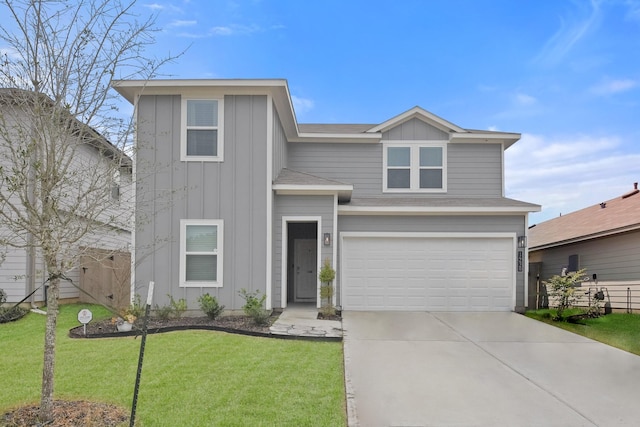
(62, 139)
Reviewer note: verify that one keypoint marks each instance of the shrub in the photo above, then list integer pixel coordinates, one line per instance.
(209, 304)
(253, 307)
(327, 274)
(178, 307)
(9, 314)
(163, 313)
(563, 291)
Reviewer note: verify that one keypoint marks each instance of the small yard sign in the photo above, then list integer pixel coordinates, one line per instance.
(84, 317)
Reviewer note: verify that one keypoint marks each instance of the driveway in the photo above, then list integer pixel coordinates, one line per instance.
(482, 369)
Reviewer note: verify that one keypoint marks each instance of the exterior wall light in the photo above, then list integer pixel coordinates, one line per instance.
(327, 239)
(522, 242)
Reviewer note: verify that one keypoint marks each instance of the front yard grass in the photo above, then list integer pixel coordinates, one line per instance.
(189, 378)
(620, 330)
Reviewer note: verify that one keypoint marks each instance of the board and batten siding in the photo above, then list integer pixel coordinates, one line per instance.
(299, 206)
(473, 170)
(415, 129)
(233, 190)
(279, 146)
(613, 258)
(439, 224)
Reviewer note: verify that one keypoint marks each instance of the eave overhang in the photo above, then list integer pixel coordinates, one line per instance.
(342, 191)
(580, 239)
(278, 89)
(432, 210)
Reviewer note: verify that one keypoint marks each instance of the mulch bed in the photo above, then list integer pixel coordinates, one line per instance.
(232, 324)
(69, 414)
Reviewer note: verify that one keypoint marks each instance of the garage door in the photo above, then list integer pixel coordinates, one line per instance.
(427, 273)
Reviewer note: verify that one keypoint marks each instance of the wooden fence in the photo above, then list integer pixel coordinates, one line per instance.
(105, 278)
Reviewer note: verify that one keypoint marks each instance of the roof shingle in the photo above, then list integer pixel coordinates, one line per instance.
(613, 216)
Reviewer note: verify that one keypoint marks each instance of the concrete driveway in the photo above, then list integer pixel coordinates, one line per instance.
(482, 369)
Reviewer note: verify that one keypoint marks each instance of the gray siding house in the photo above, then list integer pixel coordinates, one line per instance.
(22, 269)
(604, 239)
(234, 193)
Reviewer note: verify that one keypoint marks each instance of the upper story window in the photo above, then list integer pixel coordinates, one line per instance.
(201, 253)
(414, 166)
(202, 133)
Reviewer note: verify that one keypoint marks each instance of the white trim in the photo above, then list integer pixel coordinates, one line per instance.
(525, 260)
(373, 137)
(220, 253)
(183, 130)
(447, 235)
(134, 185)
(270, 196)
(414, 165)
(334, 246)
(502, 169)
(427, 117)
(470, 137)
(297, 188)
(284, 272)
(435, 210)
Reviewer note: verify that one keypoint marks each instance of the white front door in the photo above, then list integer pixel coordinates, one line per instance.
(304, 270)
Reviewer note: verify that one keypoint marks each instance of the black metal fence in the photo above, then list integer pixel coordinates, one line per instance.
(614, 296)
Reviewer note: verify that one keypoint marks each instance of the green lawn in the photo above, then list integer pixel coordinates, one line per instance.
(190, 378)
(619, 330)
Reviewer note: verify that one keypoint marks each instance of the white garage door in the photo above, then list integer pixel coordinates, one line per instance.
(427, 273)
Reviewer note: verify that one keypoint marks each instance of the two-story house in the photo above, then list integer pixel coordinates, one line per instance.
(237, 194)
(92, 196)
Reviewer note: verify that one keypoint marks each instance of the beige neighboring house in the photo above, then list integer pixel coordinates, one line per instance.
(604, 239)
(21, 270)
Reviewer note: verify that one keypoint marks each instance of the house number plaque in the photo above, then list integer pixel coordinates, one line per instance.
(519, 260)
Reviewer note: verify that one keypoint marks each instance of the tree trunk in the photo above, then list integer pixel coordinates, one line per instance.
(46, 398)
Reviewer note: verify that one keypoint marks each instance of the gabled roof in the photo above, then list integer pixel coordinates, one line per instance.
(90, 136)
(278, 89)
(423, 115)
(614, 216)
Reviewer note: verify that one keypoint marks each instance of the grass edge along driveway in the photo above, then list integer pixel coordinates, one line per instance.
(620, 330)
(189, 378)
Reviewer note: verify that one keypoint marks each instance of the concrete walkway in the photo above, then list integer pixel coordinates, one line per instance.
(301, 320)
(482, 369)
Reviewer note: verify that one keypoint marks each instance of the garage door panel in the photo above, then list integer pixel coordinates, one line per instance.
(433, 274)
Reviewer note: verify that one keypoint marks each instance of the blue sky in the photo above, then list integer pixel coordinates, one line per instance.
(563, 73)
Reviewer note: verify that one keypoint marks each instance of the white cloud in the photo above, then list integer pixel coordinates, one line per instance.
(302, 105)
(520, 105)
(524, 100)
(181, 23)
(9, 52)
(234, 29)
(573, 28)
(610, 87)
(564, 174)
(154, 6)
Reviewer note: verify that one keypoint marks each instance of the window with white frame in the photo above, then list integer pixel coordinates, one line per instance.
(202, 133)
(414, 166)
(201, 252)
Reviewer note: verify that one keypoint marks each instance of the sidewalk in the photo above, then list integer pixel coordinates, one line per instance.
(302, 321)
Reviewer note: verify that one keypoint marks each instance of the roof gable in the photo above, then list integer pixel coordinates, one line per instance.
(420, 113)
(611, 217)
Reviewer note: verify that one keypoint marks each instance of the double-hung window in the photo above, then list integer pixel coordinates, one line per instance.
(201, 253)
(414, 166)
(202, 133)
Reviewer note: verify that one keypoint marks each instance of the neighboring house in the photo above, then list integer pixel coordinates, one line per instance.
(604, 239)
(410, 212)
(23, 270)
